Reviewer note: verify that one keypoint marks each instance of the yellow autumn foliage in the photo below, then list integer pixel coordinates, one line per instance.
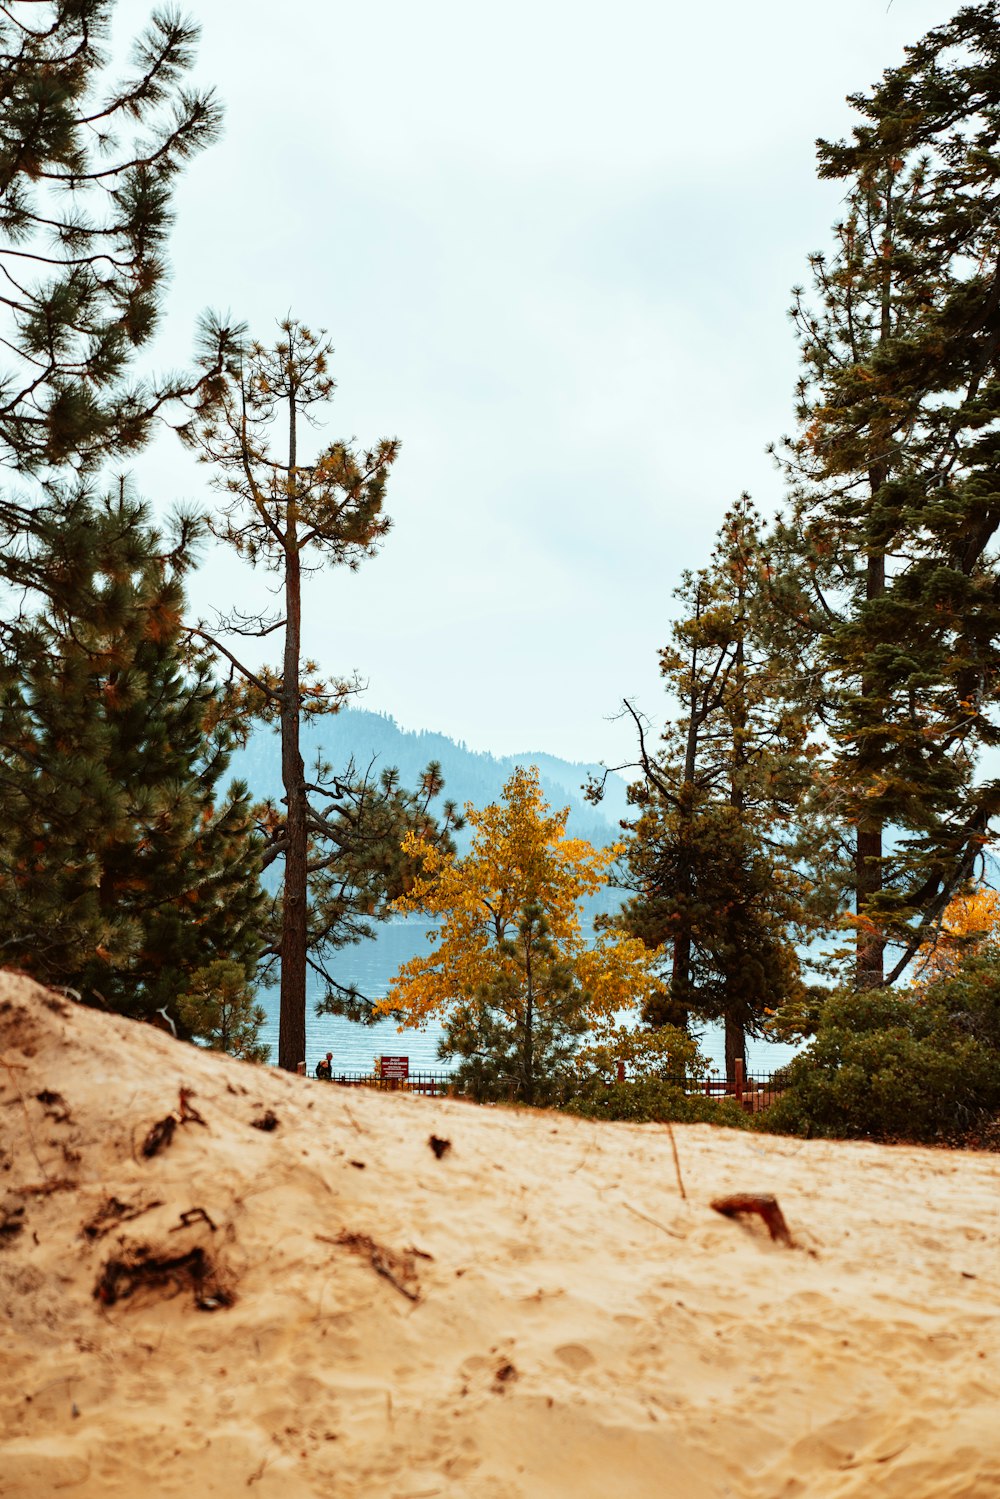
(520, 858)
(971, 922)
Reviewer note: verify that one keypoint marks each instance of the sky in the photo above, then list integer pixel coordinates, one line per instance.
(553, 244)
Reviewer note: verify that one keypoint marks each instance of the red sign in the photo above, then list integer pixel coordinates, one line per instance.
(396, 1068)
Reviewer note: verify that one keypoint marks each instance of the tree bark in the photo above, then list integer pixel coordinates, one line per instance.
(680, 975)
(736, 1046)
(736, 1036)
(292, 1019)
(870, 949)
(529, 1025)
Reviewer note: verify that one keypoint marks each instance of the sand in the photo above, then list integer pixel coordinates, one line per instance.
(534, 1312)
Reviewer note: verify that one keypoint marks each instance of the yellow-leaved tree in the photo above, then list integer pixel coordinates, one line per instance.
(970, 924)
(510, 973)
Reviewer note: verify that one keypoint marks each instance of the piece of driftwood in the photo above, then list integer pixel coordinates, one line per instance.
(763, 1204)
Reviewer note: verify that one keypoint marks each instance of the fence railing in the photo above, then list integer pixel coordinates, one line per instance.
(434, 1084)
(755, 1090)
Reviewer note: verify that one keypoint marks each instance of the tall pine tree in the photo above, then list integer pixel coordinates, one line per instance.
(896, 484)
(108, 764)
(123, 868)
(711, 865)
(339, 835)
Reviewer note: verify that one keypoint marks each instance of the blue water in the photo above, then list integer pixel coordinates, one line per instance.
(371, 966)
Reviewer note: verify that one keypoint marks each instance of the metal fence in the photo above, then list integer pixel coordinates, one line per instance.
(433, 1084)
(754, 1091)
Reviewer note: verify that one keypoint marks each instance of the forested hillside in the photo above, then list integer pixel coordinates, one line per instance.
(469, 775)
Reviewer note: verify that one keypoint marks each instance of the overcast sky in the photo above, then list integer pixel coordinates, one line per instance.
(553, 244)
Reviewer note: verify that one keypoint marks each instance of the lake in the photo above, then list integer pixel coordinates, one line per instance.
(371, 965)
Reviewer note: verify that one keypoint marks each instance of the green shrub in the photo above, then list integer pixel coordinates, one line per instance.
(648, 1099)
(884, 1065)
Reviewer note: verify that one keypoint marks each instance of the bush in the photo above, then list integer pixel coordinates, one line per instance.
(663, 1051)
(922, 1066)
(653, 1100)
(219, 1009)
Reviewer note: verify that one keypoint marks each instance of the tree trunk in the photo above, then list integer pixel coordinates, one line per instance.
(292, 1021)
(680, 975)
(736, 1047)
(870, 950)
(529, 1026)
(736, 1037)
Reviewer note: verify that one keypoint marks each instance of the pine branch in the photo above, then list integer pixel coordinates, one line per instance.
(270, 693)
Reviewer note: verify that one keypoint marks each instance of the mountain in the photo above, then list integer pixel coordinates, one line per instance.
(470, 775)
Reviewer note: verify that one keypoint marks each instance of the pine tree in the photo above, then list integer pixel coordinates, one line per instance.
(220, 1007)
(896, 472)
(710, 863)
(123, 871)
(88, 166)
(88, 647)
(339, 833)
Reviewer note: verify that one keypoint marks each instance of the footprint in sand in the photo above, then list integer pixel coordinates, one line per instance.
(575, 1356)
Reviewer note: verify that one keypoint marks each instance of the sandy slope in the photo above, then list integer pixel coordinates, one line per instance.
(554, 1320)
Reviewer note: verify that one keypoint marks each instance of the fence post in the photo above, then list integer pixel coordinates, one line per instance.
(738, 1078)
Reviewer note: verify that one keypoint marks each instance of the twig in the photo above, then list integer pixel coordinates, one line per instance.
(258, 1472)
(656, 1224)
(677, 1161)
(42, 1189)
(161, 1133)
(112, 1213)
(192, 1215)
(393, 1267)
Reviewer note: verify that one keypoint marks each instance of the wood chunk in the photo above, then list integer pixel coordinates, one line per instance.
(763, 1204)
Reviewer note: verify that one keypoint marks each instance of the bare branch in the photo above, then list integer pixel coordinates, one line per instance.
(270, 693)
